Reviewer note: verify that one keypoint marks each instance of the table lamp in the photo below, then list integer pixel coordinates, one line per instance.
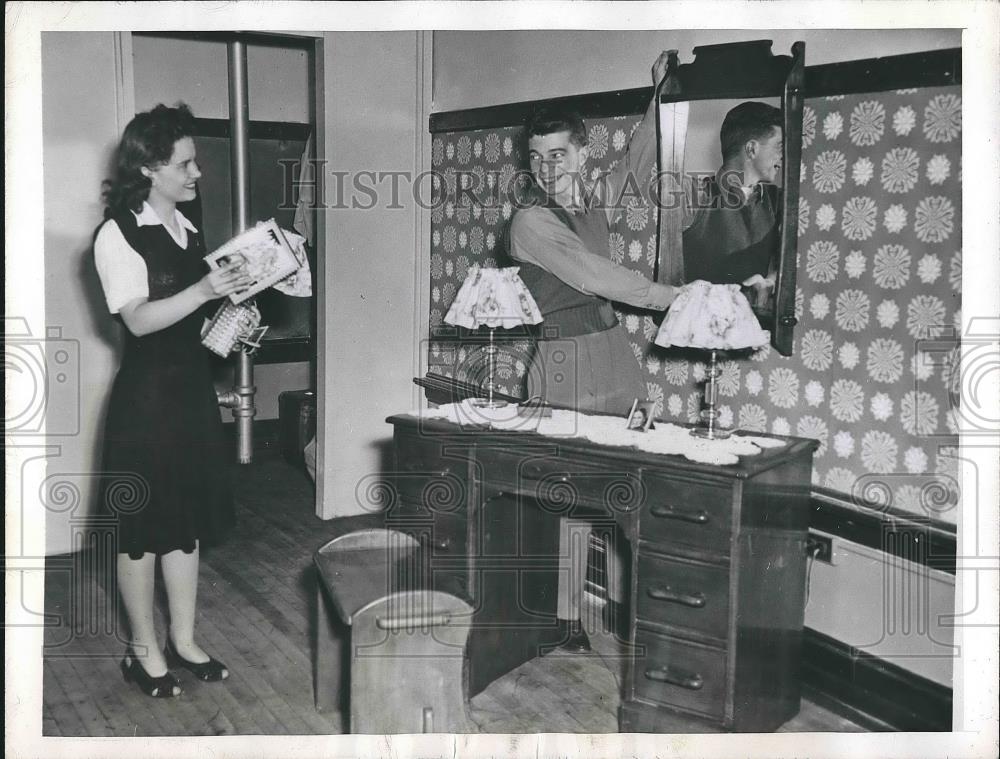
(492, 298)
(711, 317)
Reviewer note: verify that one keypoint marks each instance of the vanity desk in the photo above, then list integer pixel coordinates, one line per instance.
(717, 580)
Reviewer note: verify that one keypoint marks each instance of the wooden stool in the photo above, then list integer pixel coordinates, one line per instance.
(390, 652)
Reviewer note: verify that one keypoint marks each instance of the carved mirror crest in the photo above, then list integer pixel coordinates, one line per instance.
(694, 98)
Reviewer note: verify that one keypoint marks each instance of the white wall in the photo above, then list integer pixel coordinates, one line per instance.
(473, 69)
(196, 72)
(372, 312)
(80, 129)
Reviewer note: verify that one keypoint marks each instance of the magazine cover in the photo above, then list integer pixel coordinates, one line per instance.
(267, 253)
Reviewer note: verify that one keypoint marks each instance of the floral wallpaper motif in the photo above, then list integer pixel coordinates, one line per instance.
(874, 366)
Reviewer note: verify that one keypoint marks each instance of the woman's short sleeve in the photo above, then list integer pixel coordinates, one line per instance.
(122, 271)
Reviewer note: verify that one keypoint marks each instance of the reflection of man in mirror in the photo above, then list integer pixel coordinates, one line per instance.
(561, 245)
(731, 233)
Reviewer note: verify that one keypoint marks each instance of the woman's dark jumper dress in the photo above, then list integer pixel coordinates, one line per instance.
(166, 463)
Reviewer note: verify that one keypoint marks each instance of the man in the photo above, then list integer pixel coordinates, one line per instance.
(731, 224)
(561, 245)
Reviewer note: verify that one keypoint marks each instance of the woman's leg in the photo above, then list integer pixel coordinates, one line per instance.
(135, 583)
(180, 575)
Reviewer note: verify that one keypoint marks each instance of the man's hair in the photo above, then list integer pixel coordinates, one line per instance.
(745, 122)
(552, 119)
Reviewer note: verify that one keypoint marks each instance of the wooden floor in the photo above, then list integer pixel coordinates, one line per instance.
(256, 609)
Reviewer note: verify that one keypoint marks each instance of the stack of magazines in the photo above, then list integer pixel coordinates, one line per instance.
(270, 261)
(268, 256)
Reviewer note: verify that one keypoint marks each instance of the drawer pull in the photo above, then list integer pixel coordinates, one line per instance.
(668, 512)
(666, 593)
(689, 680)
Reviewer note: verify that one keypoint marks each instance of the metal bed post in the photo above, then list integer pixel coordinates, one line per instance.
(239, 121)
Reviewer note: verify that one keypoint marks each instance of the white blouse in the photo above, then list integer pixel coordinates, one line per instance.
(122, 270)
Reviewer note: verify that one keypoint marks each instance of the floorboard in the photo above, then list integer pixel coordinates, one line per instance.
(257, 614)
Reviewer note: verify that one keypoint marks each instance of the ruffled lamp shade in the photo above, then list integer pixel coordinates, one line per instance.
(713, 317)
(493, 298)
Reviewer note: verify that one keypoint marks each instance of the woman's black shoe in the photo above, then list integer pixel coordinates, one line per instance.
(157, 687)
(210, 671)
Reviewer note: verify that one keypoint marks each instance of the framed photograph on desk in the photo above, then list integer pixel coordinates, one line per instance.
(640, 417)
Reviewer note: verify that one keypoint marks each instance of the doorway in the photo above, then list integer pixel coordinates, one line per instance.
(283, 103)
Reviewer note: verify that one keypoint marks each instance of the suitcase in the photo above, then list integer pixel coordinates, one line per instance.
(297, 421)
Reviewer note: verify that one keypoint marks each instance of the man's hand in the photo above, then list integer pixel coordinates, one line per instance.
(760, 286)
(673, 293)
(660, 66)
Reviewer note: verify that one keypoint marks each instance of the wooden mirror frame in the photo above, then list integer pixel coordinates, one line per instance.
(741, 70)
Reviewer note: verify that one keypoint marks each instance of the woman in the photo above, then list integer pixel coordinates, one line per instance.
(167, 467)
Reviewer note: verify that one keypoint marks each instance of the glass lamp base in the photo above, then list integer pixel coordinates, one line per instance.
(711, 433)
(487, 403)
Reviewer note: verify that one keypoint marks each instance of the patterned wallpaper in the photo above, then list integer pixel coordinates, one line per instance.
(874, 367)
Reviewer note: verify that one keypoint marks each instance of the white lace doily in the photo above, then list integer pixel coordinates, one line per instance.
(607, 430)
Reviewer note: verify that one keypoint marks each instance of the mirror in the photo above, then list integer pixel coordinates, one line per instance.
(721, 233)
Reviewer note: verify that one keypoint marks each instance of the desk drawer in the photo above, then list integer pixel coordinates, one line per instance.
(692, 514)
(448, 536)
(444, 535)
(430, 455)
(677, 673)
(429, 472)
(685, 594)
(559, 483)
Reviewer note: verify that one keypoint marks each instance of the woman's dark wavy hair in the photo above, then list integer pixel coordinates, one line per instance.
(148, 140)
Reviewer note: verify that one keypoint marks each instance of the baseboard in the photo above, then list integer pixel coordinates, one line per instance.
(870, 691)
(917, 538)
(858, 685)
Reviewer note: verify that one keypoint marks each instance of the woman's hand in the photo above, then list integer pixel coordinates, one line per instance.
(225, 280)
(143, 316)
